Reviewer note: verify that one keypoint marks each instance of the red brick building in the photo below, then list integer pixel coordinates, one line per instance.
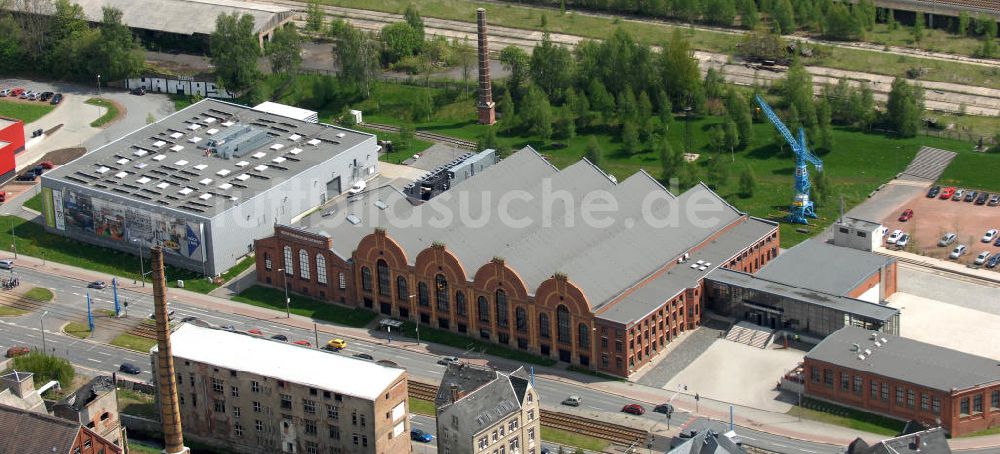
(548, 281)
(905, 379)
(11, 143)
(29, 432)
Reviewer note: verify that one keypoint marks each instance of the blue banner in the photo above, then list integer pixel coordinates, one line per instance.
(90, 316)
(114, 289)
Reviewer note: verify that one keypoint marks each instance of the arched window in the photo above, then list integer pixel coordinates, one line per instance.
(366, 279)
(521, 318)
(441, 292)
(423, 297)
(402, 290)
(382, 270)
(267, 261)
(321, 269)
(544, 326)
(303, 264)
(288, 260)
(562, 324)
(483, 309)
(501, 299)
(583, 337)
(342, 280)
(460, 308)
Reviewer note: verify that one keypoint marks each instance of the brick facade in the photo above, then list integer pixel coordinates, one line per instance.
(89, 442)
(960, 412)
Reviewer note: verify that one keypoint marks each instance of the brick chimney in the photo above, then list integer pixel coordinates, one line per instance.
(456, 393)
(487, 108)
(170, 415)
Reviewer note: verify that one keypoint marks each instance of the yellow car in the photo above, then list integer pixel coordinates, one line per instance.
(336, 344)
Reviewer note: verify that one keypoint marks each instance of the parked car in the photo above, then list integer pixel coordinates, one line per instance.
(56, 99)
(3, 196)
(447, 360)
(420, 435)
(17, 350)
(994, 261)
(303, 343)
(99, 285)
(188, 319)
(947, 239)
(138, 91)
(5, 92)
(364, 356)
(958, 195)
(666, 409)
(989, 236)
(983, 257)
(357, 188)
(903, 240)
(280, 337)
(907, 214)
(572, 401)
(983, 196)
(997, 242)
(933, 192)
(16, 92)
(946, 193)
(25, 94)
(894, 236)
(634, 409)
(6, 264)
(959, 251)
(47, 165)
(995, 200)
(255, 332)
(970, 196)
(45, 96)
(130, 368)
(387, 363)
(336, 344)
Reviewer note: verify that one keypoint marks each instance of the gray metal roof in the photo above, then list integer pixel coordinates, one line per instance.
(860, 224)
(603, 260)
(929, 441)
(185, 17)
(906, 360)
(823, 267)
(487, 396)
(167, 163)
(435, 156)
(686, 275)
(840, 303)
(708, 442)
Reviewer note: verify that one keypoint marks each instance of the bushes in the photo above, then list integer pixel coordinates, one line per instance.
(46, 368)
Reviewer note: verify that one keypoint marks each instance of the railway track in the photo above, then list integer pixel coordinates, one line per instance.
(65, 313)
(954, 275)
(428, 136)
(614, 433)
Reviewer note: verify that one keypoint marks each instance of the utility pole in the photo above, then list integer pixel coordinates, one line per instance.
(13, 237)
(142, 272)
(316, 334)
(288, 301)
(41, 321)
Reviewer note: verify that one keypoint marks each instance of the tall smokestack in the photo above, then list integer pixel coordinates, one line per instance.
(487, 109)
(170, 415)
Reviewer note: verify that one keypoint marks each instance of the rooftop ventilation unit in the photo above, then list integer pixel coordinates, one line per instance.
(238, 141)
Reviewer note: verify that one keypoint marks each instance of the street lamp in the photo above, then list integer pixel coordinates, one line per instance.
(13, 238)
(98, 85)
(288, 301)
(41, 321)
(417, 313)
(142, 272)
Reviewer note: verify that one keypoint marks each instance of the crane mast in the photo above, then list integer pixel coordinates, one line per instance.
(801, 208)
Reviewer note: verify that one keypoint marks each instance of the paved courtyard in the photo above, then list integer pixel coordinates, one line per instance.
(948, 325)
(738, 373)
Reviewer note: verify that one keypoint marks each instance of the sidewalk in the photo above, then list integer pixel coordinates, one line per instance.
(941, 265)
(774, 423)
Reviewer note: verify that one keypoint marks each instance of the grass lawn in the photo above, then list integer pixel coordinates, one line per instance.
(25, 111)
(111, 112)
(973, 170)
(40, 294)
(35, 203)
(106, 312)
(132, 342)
(6, 311)
(78, 330)
(272, 298)
(847, 417)
(422, 407)
(240, 267)
(992, 431)
(567, 438)
(652, 32)
(136, 447)
(438, 336)
(137, 404)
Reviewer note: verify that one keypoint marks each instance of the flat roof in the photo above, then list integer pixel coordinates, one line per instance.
(285, 110)
(906, 360)
(306, 366)
(815, 265)
(860, 224)
(603, 260)
(435, 156)
(185, 17)
(836, 302)
(168, 163)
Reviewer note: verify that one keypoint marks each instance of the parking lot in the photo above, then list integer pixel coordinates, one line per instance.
(934, 217)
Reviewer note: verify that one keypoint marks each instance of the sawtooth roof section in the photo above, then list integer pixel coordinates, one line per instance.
(185, 17)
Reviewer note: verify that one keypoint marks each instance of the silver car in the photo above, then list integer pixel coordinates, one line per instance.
(903, 240)
(959, 251)
(947, 239)
(983, 257)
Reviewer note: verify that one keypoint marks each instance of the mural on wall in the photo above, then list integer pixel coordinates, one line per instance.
(179, 86)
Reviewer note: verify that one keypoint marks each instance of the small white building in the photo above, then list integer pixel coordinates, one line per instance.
(287, 111)
(858, 234)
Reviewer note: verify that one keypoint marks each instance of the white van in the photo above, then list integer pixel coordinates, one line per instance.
(7, 264)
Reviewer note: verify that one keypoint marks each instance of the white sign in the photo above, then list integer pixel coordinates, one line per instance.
(57, 210)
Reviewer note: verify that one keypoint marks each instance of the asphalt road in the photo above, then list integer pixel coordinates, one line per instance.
(70, 305)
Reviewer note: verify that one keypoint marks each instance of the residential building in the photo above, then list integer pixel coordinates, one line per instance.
(905, 379)
(481, 410)
(605, 296)
(32, 432)
(260, 396)
(858, 234)
(94, 406)
(204, 183)
(915, 439)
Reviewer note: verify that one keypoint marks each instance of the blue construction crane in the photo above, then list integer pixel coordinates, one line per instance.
(801, 208)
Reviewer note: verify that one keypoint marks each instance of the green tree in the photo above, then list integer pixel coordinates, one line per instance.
(749, 18)
(593, 152)
(314, 16)
(715, 84)
(517, 62)
(865, 13)
(45, 368)
(679, 72)
(783, 16)
(116, 54)
(356, 54)
(564, 127)
(336, 27)
(719, 12)
(748, 183)
(407, 134)
(797, 91)
(630, 138)
(285, 50)
(600, 100)
(918, 27)
(488, 140)
(10, 40)
(536, 113)
(551, 68)
(963, 23)
(739, 111)
(505, 107)
(824, 116)
(400, 40)
(890, 20)
(421, 105)
(842, 25)
(904, 108)
(234, 51)
(731, 135)
(820, 188)
(67, 39)
(718, 172)
(580, 107)
(413, 19)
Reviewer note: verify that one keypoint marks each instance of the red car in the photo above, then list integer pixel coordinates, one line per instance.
(946, 193)
(47, 165)
(634, 409)
(255, 332)
(907, 214)
(302, 343)
(16, 351)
